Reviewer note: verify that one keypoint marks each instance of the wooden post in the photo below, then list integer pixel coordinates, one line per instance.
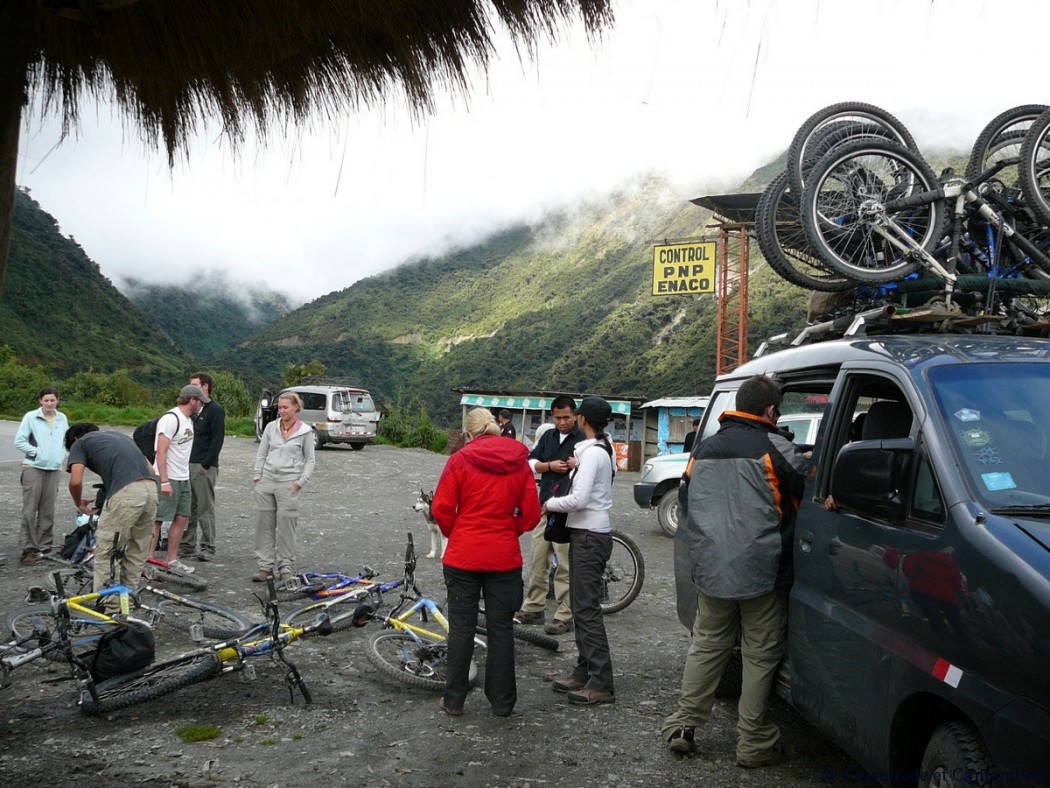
(15, 37)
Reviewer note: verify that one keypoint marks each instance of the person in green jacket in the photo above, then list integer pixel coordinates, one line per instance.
(40, 437)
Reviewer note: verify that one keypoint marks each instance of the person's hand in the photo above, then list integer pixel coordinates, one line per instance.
(297, 486)
(165, 488)
(87, 507)
(570, 464)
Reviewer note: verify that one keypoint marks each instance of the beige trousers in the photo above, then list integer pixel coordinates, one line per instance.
(539, 572)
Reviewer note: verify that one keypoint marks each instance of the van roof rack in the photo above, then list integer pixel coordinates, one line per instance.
(922, 306)
(323, 380)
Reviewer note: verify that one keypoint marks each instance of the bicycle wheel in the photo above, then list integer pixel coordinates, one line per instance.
(778, 227)
(852, 220)
(623, 576)
(216, 623)
(153, 682)
(419, 663)
(340, 612)
(866, 121)
(164, 574)
(526, 635)
(1035, 168)
(1001, 140)
(26, 621)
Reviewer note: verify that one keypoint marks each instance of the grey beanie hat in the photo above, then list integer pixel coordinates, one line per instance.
(596, 410)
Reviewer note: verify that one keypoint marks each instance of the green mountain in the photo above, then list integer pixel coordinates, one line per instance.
(59, 311)
(205, 315)
(565, 304)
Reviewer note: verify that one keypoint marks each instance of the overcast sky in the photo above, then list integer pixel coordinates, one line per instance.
(702, 90)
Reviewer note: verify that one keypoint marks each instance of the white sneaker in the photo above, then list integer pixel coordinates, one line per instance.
(181, 567)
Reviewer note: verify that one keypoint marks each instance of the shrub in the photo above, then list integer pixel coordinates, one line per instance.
(233, 395)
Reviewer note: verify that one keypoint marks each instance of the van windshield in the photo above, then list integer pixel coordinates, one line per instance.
(997, 416)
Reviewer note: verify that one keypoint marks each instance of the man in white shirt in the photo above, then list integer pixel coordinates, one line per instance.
(172, 466)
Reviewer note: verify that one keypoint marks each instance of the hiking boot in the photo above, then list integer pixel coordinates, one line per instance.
(205, 557)
(777, 754)
(287, 574)
(178, 566)
(590, 697)
(682, 740)
(522, 617)
(567, 685)
(29, 557)
(558, 627)
(262, 576)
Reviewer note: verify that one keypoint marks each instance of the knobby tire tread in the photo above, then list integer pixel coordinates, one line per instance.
(162, 574)
(626, 598)
(154, 682)
(217, 623)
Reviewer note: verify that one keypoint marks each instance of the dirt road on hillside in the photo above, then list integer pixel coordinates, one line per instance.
(363, 729)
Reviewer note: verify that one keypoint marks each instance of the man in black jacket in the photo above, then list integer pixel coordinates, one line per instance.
(209, 431)
(737, 504)
(552, 458)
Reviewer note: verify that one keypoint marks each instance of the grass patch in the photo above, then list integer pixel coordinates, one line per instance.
(296, 736)
(260, 719)
(192, 733)
(268, 742)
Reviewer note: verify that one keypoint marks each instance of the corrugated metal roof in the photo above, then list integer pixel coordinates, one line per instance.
(678, 402)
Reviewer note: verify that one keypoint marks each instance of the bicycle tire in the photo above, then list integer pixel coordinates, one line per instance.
(340, 612)
(153, 682)
(782, 240)
(84, 634)
(623, 576)
(864, 115)
(1003, 138)
(421, 663)
(217, 623)
(1034, 168)
(846, 195)
(526, 635)
(164, 574)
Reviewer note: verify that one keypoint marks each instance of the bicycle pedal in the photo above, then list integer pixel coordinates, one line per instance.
(248, 673)
(197, 633)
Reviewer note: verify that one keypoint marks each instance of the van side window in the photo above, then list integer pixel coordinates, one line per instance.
(927, 504)
(313, 401)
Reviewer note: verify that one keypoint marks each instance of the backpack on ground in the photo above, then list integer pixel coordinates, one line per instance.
(125, 649)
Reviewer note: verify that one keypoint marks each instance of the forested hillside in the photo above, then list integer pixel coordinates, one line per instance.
(59, 311)
(562, 305)
(206, 316)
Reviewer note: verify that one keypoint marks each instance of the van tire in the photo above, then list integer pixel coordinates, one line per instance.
(667, 512)
(357, 446)
(955, 747)
(318, 440)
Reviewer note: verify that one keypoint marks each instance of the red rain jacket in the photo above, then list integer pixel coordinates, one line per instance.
(486, 498)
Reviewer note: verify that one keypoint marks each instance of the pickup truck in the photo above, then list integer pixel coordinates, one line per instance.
(919, 617)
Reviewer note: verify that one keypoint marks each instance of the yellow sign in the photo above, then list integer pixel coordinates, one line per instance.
(684, 268)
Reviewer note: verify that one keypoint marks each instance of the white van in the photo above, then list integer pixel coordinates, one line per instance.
(337, 414)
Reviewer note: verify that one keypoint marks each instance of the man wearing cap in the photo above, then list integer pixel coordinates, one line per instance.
(506, 426)
(209, 432)
(172, 466)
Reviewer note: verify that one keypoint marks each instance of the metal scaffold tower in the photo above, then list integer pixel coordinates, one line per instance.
(734, 215)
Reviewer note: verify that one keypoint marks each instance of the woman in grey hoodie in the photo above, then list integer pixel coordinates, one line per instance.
(283, 466)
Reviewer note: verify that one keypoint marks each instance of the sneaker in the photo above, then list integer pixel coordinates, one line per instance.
(205, 557)
(682, 740)
(262, 576)
(178, 566)
(522, 617)
(590, 697)
(558, 627)
(567, 685)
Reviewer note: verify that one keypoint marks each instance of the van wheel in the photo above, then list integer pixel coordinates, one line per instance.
(955, 756)
(357, 446)
(318, 440)
(667, 513)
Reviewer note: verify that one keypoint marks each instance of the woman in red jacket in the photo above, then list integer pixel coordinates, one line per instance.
(485, 500)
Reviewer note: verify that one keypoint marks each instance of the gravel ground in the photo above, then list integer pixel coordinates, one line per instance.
(363, 729)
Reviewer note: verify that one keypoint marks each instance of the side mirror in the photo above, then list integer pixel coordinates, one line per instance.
(868, 476)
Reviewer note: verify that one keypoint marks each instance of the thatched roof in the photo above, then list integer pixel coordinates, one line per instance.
(171, 65)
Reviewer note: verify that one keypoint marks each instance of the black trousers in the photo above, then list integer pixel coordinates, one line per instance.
(503, 593)
(588, 554)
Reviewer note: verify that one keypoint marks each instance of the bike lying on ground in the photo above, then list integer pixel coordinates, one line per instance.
(407, 651)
